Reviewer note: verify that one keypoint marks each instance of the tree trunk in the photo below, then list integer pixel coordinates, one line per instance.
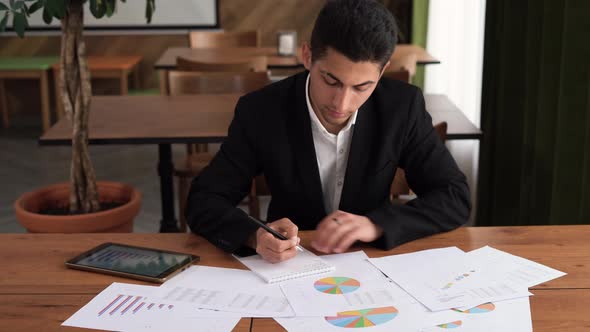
(75, 91)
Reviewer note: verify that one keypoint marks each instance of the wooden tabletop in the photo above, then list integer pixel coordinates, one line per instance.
(236, 54)
(8, 63)
(196, 119)
(441, 108)
(37, 291)
(152, 120)
(110, 62)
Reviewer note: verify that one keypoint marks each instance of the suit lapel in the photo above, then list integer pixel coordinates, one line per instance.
(358, 157)
(301, 139)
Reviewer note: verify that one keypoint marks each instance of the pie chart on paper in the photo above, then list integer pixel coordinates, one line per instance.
(363, 318)
(451, 325)
(337, 285)
(480, 309)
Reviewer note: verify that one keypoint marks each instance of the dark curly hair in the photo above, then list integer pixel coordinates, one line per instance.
(362, 30)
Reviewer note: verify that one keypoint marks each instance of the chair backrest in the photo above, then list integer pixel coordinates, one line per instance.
(400, 75)
(183, 82)
(400, 186)
(256, 63)
(212, 39)
(403, 69)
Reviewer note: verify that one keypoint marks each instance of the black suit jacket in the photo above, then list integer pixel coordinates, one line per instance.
(271, 134)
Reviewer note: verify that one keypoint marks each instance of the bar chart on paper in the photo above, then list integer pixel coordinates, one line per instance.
(123, 307)
(130, 304)
(129, 307)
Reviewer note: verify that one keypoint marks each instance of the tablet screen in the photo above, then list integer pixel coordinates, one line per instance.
(134, 260)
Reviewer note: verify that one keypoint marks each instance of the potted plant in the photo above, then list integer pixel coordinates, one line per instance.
(88, 205)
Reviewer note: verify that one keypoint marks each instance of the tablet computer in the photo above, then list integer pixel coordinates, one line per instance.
(132, 262)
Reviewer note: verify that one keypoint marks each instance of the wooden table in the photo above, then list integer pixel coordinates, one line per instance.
(37, 291)
(108, 67)
(161, 120)
(23, 67)
(167, 60)
(166, 120)
(441, 108)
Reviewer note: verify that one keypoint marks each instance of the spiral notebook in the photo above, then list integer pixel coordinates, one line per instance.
(304, 264)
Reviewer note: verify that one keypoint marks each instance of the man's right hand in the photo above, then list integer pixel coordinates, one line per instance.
(275, 250)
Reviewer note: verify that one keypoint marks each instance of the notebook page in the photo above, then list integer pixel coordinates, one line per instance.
(304, 264)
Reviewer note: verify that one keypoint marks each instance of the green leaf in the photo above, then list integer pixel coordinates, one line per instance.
(150, 6)
(57, 8)
(26, 13)
(47, 16)
(19, 24)
(25, 10)
(4, 22)
(3, 6)
(36, 6)
(110, 5)
(18, 5)
(98, 8)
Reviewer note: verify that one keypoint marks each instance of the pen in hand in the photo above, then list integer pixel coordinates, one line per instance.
(272, 231)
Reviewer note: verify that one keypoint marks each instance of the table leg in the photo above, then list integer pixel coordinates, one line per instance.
(45, 101)
(4, 105)
(163, 82)
(136, 82)
(168, 223)
(124, 83)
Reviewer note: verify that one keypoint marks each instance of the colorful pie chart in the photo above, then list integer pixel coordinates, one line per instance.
(363, 317)
(480, 309)
(451, 325)
(337, 285)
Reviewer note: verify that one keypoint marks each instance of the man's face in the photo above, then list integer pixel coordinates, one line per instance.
(339, 86)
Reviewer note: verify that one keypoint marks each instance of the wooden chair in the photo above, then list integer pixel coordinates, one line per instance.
(400, 186)
(183, 82)
(255, 63)
(213, 39)
(403, 69)
(400, 75)
(198, 156)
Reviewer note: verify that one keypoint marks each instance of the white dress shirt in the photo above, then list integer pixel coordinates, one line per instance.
(332, 155)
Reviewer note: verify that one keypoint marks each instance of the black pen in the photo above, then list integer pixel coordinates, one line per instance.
(271, 231)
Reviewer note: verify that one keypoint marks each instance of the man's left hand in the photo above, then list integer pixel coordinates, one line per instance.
(339, 230)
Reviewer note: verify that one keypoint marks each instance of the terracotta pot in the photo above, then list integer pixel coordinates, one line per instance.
(117, 220)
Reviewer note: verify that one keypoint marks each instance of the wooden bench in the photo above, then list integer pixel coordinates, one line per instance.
(27, 67)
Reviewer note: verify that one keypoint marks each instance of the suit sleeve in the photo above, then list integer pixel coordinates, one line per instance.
(442, 202)
(211, 207)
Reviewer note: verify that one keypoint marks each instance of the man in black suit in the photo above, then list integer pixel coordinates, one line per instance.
(328, 141)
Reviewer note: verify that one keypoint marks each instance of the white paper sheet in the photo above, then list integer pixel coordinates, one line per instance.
(355, 283)
(228, 290)
(510, 315)
(500, 265)
(405, 315)
(128, 307)
(445, 278)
